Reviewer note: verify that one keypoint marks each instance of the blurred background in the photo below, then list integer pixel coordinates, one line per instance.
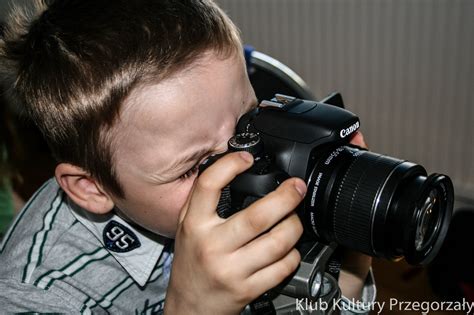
(406, 67)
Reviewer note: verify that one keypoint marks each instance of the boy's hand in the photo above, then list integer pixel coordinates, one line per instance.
(221, 265)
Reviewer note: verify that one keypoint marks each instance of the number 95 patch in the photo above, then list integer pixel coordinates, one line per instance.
(119, 238)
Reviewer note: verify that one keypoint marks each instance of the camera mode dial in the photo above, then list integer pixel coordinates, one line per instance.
(247, 141)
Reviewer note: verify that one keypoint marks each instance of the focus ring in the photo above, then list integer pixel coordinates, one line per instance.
(355, 198)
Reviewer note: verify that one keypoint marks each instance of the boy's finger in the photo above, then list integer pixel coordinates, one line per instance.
(358, 139)
(275, 244)
(264, 213)
(208, 186)
(274, 274)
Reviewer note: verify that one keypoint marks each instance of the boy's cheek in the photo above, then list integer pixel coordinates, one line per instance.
(158, 208)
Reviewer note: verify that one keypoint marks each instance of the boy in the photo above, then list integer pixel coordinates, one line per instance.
(132, 95)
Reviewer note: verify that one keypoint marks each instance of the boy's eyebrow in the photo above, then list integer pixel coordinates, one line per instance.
(197, 155)
(188, 158)
(167, 174)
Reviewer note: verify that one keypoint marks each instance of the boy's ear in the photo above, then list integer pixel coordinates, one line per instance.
(84, 190)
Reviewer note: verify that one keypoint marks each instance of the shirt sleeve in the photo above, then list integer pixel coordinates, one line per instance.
(17, 297)
(365, 305)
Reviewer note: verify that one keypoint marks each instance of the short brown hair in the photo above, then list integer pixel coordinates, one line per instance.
(74, 62)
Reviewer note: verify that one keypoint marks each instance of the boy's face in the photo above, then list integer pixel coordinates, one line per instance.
(167, 129)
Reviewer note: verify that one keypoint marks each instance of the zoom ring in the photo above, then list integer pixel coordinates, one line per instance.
(355, 199)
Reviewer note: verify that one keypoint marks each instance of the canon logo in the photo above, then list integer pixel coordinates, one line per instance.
(345, 132)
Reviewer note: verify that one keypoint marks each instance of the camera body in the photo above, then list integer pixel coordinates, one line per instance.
(293, 130)
(291, 133)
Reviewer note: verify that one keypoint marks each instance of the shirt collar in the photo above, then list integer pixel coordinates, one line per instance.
(121, 239)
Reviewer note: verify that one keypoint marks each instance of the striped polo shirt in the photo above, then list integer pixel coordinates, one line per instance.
(57, 257)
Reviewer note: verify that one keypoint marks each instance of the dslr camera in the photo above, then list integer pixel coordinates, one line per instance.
(372, 203)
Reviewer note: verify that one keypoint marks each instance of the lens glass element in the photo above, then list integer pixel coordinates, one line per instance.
(428, 218)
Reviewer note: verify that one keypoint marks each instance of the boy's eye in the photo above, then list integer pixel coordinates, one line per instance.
(193, 171)
(190, 173)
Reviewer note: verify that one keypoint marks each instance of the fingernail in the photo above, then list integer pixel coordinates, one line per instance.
(300, 186)
(246, 156)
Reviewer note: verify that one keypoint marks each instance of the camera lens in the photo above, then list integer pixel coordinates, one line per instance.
(377, 204)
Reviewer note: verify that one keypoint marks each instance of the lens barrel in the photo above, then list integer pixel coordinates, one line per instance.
(378, 205)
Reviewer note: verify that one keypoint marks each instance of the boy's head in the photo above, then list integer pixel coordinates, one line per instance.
(130, 94)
